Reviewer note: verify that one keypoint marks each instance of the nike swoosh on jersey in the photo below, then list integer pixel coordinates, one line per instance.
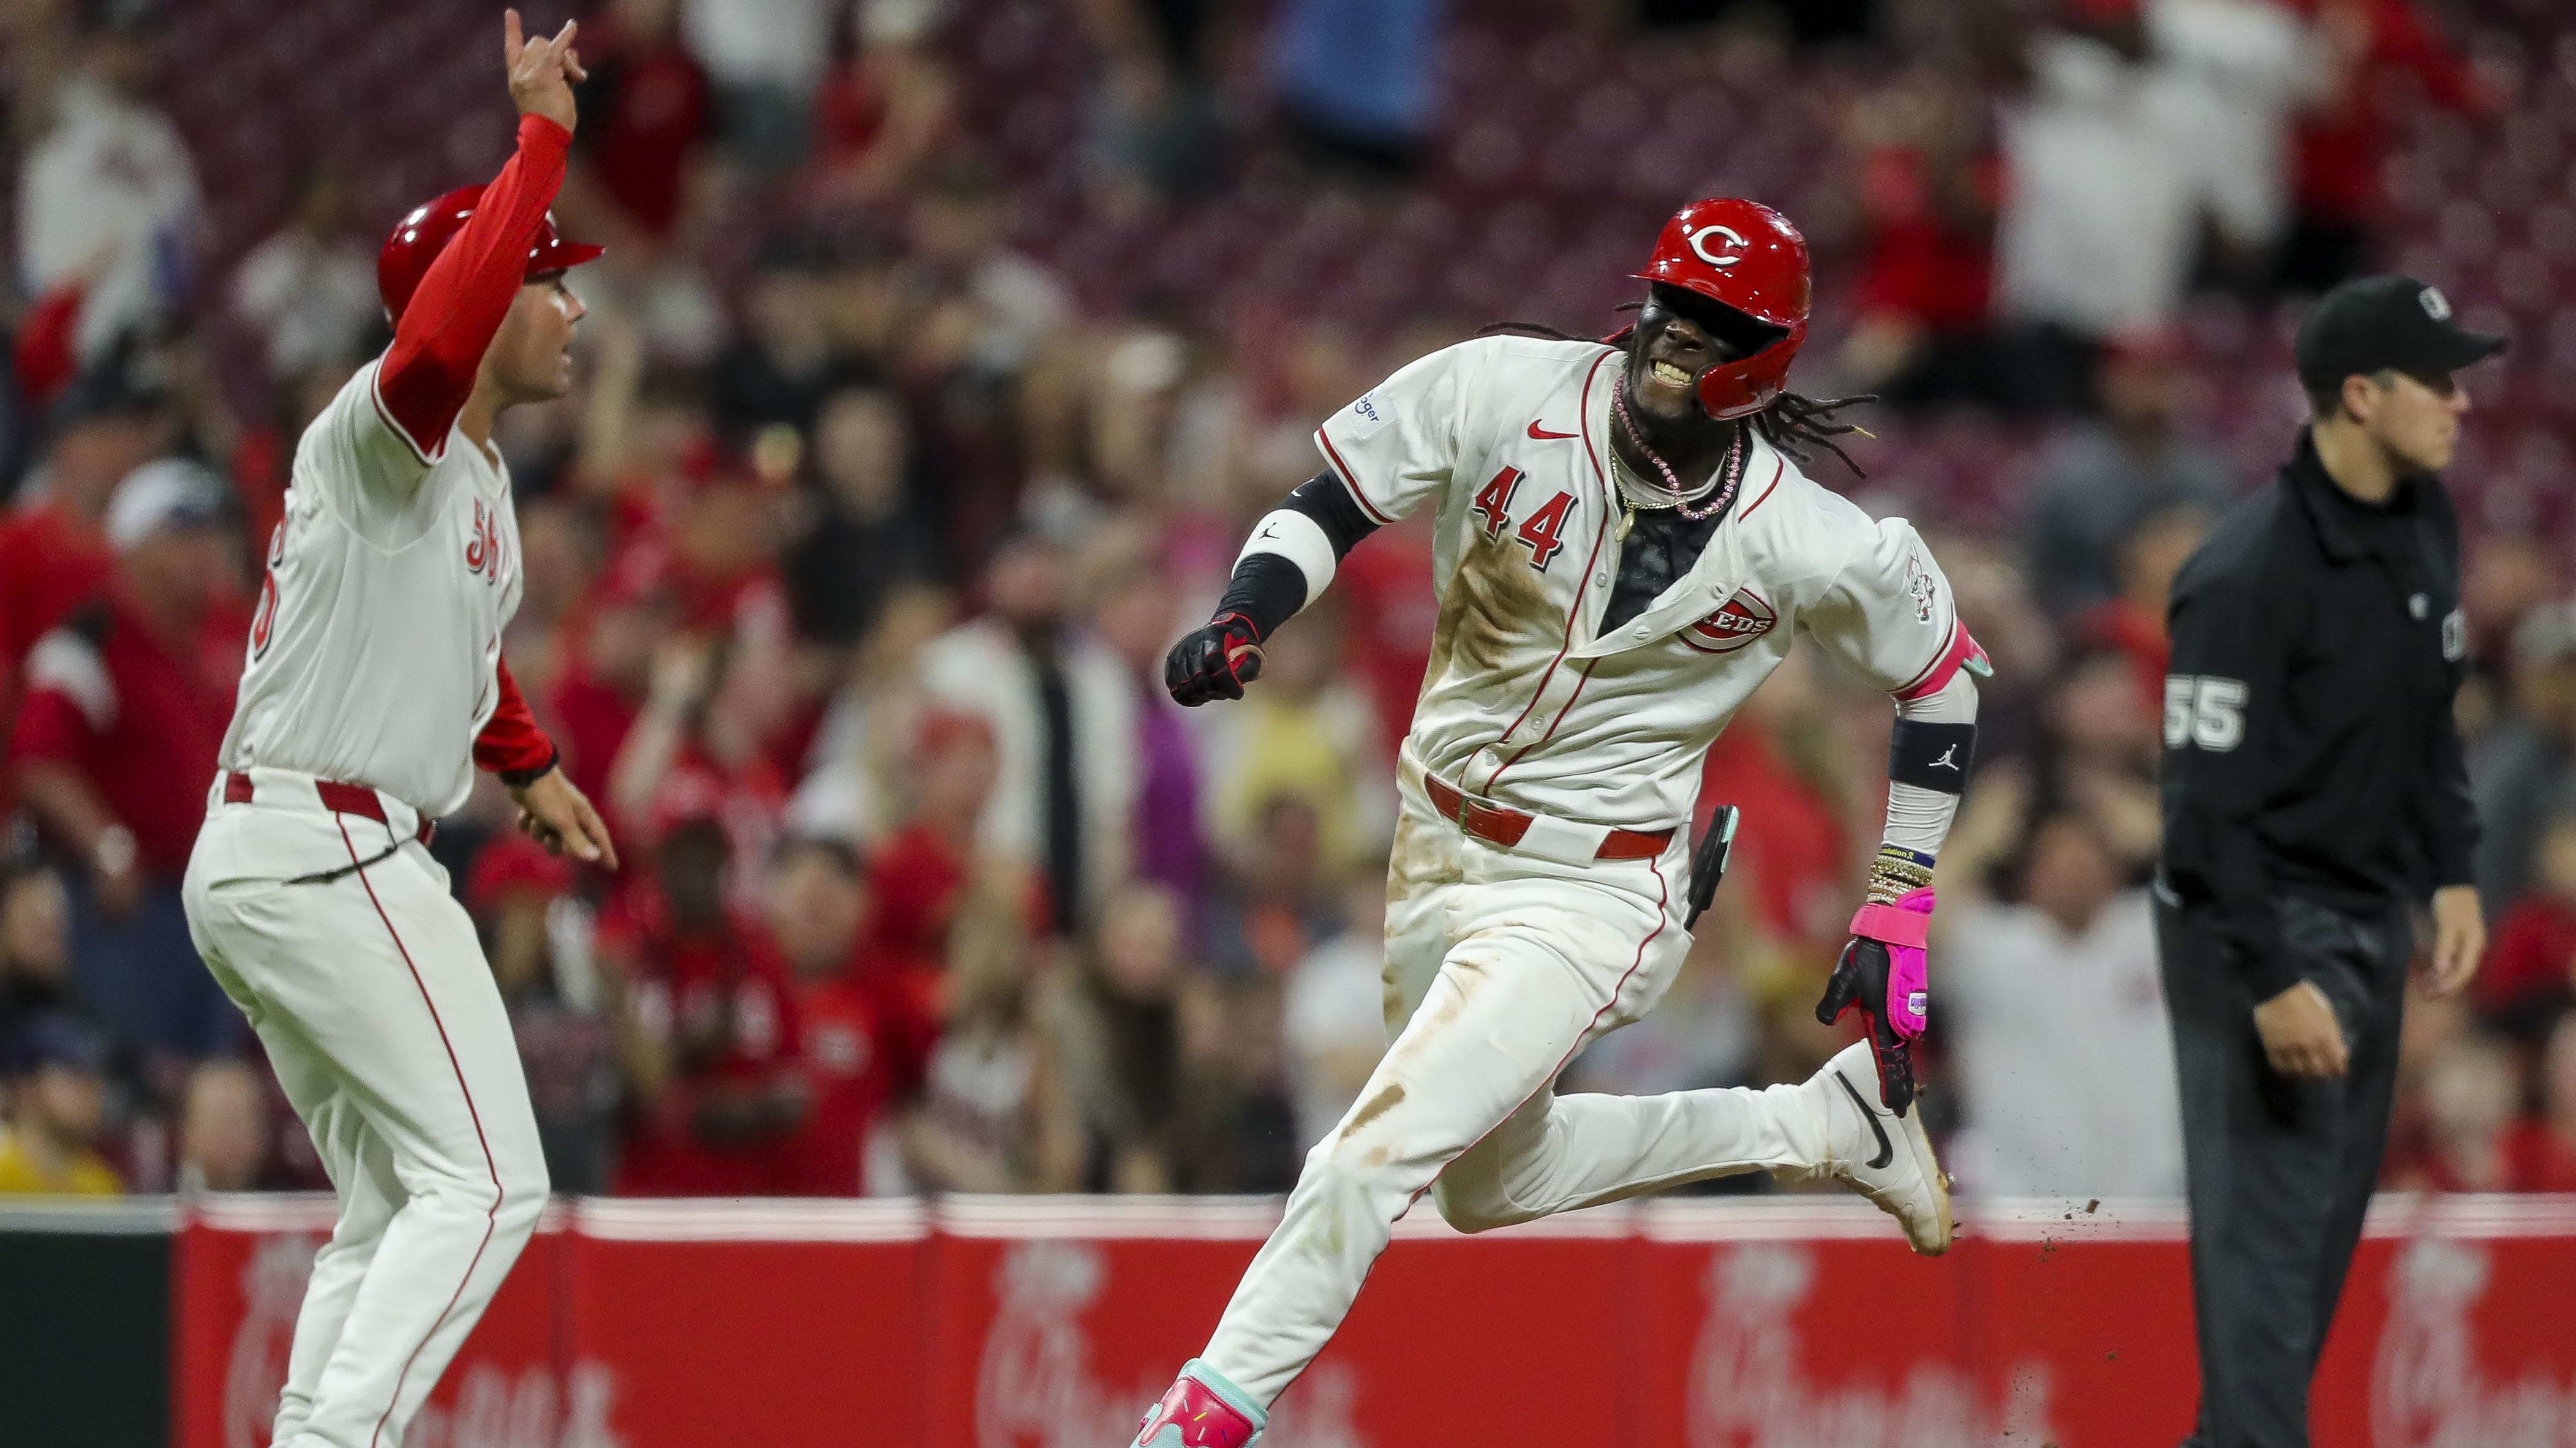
(1540, 434)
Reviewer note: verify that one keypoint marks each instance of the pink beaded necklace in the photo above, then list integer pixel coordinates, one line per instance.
(1733, 469)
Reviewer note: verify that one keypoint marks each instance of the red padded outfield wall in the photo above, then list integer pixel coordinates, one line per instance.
(1051, 1323)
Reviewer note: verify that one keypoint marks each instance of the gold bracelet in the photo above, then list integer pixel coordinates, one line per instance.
(1896, 872)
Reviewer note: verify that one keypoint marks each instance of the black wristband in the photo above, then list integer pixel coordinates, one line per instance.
(522, 778)
(1931, 756)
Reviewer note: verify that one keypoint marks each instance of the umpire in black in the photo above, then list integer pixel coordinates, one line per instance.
(2315, 799)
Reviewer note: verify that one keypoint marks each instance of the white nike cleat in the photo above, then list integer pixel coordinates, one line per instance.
(1879, 1154)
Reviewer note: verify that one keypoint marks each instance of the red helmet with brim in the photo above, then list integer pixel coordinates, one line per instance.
(420, 236)
(1744, 255)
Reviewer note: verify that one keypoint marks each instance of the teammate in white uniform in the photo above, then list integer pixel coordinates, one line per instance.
(1625, 549)
(374, 686)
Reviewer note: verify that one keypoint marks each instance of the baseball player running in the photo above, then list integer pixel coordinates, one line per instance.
(374, 687)
(1625, 548)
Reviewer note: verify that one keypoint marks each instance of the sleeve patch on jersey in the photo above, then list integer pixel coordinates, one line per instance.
(1918, 585)
(1363, 418)
(67, 664)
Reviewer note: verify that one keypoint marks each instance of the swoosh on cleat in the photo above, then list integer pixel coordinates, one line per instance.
(1886, 1148)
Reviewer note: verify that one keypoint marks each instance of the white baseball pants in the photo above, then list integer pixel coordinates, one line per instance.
(380, 1016)
(1499, 967)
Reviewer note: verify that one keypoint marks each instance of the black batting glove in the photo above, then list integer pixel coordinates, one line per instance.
(1215, 662)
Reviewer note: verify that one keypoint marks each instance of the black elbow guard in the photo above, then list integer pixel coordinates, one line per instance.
(1324, 499)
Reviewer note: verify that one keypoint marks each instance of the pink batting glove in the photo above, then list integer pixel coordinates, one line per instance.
(1884, 971)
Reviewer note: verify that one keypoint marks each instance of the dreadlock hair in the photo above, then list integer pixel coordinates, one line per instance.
(1793, 422)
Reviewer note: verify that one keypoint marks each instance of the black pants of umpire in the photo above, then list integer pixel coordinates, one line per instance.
(2280, 1170)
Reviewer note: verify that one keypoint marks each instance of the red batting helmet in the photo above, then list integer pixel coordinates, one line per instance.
(1744, 255)
(420, 236)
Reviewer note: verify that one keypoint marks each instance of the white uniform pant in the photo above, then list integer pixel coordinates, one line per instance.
(381, 1019)
(1499, 967)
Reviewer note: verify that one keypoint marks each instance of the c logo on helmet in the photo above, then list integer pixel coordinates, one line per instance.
(1699, 244)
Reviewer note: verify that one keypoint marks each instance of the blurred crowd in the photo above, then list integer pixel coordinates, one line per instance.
(851, 561)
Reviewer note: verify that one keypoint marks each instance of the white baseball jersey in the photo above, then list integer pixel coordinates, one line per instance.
(1525, 701)
(373, 650)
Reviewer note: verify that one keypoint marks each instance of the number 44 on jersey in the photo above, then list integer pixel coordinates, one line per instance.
(1543, 530)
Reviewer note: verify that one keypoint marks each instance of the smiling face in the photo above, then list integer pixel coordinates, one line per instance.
(1679, 336)
(530, 358)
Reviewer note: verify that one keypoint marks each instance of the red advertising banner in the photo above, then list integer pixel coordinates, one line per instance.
(238, 1273)
(747, 1322)
(2458, 1327)
(1058, 1323)
(1051, 1323)
(1802, 1323)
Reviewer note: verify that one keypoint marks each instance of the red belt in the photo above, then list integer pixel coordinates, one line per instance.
(338, 798)
(1499, 825)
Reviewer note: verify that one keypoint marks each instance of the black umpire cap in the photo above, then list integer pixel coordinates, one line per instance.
(2385, 324)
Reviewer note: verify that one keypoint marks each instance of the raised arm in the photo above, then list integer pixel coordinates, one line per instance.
(450, 318)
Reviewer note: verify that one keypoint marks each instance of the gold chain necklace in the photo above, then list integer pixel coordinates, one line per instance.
(1731, 470)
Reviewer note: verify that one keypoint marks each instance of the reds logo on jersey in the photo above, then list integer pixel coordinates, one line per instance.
(1744, 618)
(483, 546)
